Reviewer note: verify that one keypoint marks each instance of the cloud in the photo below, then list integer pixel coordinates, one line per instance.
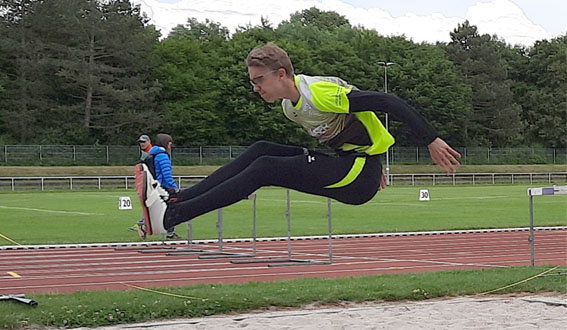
(501, 17)
(508, 21)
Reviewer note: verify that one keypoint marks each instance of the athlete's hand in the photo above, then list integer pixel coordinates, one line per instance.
(444, 156)
(383, 182)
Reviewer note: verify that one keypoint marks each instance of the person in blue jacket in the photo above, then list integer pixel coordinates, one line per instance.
(161, 151)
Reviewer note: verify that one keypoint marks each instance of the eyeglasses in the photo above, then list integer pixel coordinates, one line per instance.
(258, 80)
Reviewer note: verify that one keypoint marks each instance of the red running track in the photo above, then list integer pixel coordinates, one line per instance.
(72, 269)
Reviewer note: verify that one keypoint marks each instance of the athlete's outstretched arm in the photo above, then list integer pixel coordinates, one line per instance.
(441, 153)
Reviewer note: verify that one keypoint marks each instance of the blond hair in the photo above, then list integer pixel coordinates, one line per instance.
(270, 56)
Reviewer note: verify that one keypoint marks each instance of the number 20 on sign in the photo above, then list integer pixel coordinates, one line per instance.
(124, 203)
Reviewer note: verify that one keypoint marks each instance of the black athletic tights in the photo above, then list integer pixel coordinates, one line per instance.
(270, 164)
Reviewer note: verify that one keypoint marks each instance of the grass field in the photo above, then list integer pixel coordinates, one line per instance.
(93, 216)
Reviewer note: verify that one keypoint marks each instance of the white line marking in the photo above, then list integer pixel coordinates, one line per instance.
(296, 201)
(47, 211)
(477, 197)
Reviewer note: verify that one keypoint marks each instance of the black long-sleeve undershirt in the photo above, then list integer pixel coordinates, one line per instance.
(399, 109)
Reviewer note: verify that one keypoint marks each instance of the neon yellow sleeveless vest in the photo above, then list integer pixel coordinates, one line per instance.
(323, 108)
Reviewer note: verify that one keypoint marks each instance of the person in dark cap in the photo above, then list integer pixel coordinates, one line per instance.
(145, 145)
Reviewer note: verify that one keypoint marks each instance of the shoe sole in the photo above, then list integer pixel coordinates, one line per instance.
(141, 179)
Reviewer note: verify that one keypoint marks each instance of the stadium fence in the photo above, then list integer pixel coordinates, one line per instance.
(62, 155)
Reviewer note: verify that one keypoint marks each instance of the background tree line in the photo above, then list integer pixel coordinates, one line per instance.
(95, 72)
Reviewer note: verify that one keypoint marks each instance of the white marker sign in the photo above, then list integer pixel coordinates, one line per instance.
(124, 203)
(424, 195)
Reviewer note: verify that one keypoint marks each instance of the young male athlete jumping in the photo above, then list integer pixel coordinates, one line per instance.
(331, 110)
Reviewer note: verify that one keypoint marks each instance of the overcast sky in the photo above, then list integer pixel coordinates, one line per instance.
(516, 21)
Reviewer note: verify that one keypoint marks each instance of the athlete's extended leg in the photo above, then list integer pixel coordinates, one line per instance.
(306, 173)
(252, 153)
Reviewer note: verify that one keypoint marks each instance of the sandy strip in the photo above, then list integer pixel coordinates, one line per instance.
(548, 311)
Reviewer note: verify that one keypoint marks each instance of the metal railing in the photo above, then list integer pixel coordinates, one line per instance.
(127, 182)
(477, 178)
(24, 183)
(35, 155)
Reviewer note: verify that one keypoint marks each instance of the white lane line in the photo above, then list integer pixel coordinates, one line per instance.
(204, 273)
(352, 272)
(47, 211)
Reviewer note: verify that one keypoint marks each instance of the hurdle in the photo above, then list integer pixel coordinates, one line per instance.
(21, 298)
(546, 191)
(289, 260)
(149, 247)
(219, 252)
(188, 249)
(159, 247)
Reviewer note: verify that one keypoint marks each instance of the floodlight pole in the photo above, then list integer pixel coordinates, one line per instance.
(531, 237)
(386, 65)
